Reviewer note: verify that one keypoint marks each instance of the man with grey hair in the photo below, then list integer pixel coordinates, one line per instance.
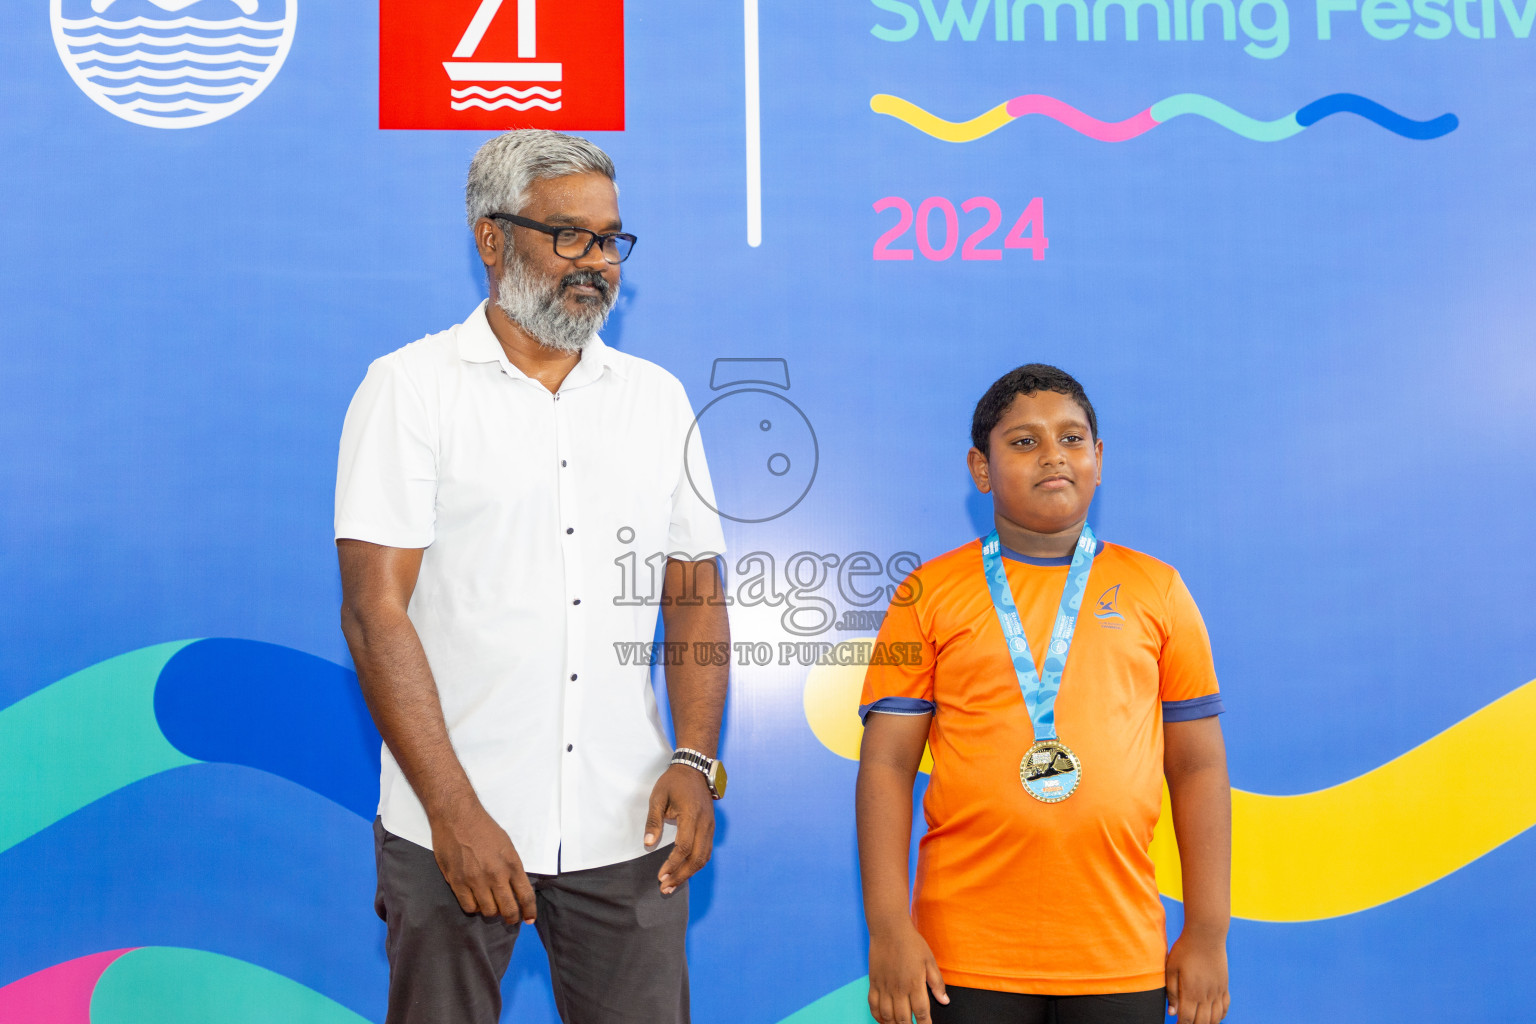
(491, 477)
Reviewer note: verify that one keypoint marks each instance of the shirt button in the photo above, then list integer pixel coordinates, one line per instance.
(573, 677)
(569, 747)
(577, 601)
(570, 529)
(562, 463)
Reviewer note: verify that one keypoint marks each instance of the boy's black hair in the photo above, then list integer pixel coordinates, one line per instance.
(1026, 380)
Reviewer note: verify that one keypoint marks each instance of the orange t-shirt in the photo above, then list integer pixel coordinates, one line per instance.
(1013, 894)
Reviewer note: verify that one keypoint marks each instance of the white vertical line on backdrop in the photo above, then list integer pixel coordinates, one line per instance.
(754, 130)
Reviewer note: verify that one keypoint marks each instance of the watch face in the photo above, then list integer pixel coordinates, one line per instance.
(717, 779)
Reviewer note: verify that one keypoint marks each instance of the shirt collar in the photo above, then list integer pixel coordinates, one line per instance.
(478, 344)
(1016, 556)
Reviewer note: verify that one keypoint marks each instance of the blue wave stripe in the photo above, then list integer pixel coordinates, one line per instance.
(189, 65)
(1391, 120)
(222, 858)
(276, 709)
(172, 97)
(191, 82)
(211, 49)
(151, 30)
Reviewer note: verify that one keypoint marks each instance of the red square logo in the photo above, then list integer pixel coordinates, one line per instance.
(498, 64)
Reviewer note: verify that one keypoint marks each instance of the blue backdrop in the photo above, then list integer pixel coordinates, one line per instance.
(1310, 354)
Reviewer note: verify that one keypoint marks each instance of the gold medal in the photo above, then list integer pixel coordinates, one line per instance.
(1050, 772)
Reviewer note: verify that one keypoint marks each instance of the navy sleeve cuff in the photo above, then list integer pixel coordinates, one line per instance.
(897, 706)
(1189, 710)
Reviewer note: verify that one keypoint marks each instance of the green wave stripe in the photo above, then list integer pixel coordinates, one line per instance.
(846, 1005)
(1232, 120)
(166, 985)
(83, 737)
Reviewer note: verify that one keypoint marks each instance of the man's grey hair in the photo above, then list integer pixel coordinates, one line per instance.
(502, 170)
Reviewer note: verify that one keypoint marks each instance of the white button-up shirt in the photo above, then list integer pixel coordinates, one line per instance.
(538, 513)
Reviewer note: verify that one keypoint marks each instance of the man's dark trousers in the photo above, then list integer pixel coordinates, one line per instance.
(615, 944)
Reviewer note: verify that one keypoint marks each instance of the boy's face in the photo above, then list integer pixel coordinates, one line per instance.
(1044, 464)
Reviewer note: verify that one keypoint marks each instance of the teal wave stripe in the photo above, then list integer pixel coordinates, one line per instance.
(166, 985)
(1232, 120)
(80, 739)
(846, 1005)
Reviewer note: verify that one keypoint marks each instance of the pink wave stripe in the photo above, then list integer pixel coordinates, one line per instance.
(60, 994)
(1104, 131)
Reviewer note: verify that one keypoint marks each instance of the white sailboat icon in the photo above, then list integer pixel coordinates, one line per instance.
(526, 69)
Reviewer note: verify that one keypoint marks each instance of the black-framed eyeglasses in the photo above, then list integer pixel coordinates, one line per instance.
(574, 243)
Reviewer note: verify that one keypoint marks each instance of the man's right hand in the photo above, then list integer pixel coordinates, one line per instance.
(901, 971)
(472, 851)
(477, 858)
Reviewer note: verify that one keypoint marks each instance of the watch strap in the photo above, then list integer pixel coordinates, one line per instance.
(700, 762)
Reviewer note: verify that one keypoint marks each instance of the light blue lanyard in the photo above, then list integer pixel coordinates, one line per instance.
(1039, 688)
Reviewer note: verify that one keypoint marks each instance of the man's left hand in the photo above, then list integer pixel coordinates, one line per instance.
(682, 796)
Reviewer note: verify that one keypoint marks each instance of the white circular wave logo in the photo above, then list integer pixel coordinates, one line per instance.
(173, 63)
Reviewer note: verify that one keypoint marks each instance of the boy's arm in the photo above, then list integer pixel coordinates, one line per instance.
(1195, 764)
(901, 967)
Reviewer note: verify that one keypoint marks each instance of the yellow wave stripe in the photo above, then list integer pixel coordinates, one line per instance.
(832, 705)
(1340, 850)
(949, 131)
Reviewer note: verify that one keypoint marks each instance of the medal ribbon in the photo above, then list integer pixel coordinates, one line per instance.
(1039, 688)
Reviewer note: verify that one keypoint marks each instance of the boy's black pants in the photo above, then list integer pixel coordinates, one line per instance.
(981, 1006)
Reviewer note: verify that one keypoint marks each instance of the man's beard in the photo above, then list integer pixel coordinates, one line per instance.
(540, 310)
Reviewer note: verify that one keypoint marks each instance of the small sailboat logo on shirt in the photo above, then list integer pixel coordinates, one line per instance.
(173, 63)
(1107, 604)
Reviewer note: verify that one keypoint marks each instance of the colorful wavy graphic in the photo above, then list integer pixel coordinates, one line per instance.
(257, 766)
(1295, 858)
(1339, 850)
(182, 724)
(219, 857)
(1162, 111)
(180, 703)
(164, 985)
(846, 1005)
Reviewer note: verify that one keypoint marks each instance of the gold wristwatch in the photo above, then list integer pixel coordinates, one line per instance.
(712, 769)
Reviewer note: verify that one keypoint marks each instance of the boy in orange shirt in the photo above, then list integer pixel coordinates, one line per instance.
(1036, 899)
